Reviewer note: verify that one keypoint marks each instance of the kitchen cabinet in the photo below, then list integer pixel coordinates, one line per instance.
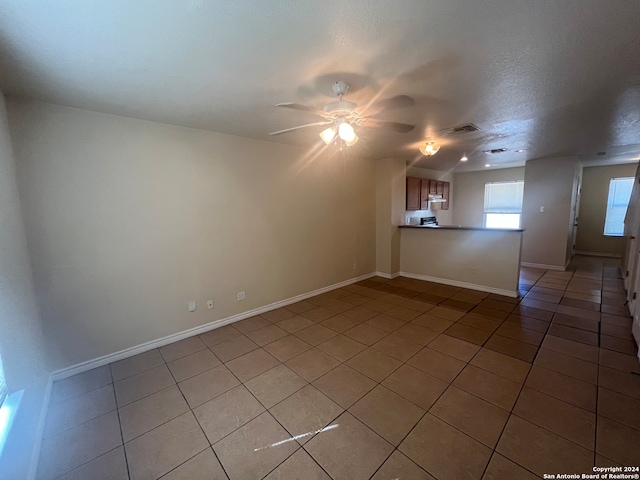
(419, 190)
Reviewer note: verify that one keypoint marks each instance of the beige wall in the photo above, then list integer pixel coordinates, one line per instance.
(444, 216)
(127, 220)
(21, 339)
(593, 208)
(549, 184)
(390, 210)
(468, 193)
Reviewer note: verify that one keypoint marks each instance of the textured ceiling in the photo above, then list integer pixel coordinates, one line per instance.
(554, 77)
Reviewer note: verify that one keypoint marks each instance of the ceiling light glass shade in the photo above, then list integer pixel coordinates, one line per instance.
(328, 135)
(346, 133)
(464, 158)
(429, 149)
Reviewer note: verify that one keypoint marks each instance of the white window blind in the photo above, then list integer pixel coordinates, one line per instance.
(617, 202)
(503, 197)
(3, 384)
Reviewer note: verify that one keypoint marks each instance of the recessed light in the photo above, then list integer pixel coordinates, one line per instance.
(521, 150)
(487, 164)
(602, 153)
(495, 150)
(463, 158)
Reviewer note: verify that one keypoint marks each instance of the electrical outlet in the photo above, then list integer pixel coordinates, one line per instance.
(473, 271)
(209, 304)
(241, 296)
(192, 305)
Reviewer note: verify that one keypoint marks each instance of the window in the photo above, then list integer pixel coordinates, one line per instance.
(619, 195)
(3, 385)
(503, 204)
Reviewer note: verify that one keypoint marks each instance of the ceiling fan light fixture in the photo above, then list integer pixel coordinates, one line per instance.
(346, 132)
(328, 135)
(464, 158)
(352, 141)
(429, 149)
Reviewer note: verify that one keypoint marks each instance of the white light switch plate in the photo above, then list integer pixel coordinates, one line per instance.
(192, 305)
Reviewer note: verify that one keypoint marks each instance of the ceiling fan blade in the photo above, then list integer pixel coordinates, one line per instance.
(394, 126)
(398, 101)
(300, 126)
(303, 108)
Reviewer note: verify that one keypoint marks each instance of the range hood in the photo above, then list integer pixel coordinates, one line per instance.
(433, 198)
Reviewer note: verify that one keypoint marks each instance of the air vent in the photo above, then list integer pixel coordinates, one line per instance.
(495, 150)
(460, 129)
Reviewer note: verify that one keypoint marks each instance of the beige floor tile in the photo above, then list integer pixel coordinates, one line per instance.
(234, 348)
(344, 385)
(532, 312)
(492, 388)
(79, 409)
(403, 313)
(316, 334)
(377, 305)
(341, 323)
(255, 449)
(267, 334)
(252, 364)
(341, 347)
(287, 347)
(219, 335)
(365, 334)
(387, 414)
(275, 385)
(436, 446)
(416, 386)
(578, 312)
(618, 442)
(479, 322)
(306, 412)
(385, 323)
(618, 407)
(338, 305)
(227, 412)
(138, 386)
(417, 334)
(446, 313)
(110, 466)
(545, 297)
(576, 322)
(204, 466)
(490, 313)
(437, 364)
(295, 323)
(78, 445)
(437, 324)
(398, 466)
(468, 334)
(312, 364)
(620, 345)
(277, 315)
(560, 417)
(574, 334)
(397, 347)
(454, 347)
(367, 450)
(250, 324)
(457, 305)
(568, 389)
(501, 468)
(374, 364)
(541, 451)
(80, 383)
(301, 306)
(513, 348)
(361, 314)
(567, 365)
(477, 418)
(318, 314)
(181, 348)
(528, 323)
(207, 385)
(619, 381)
(164, 448)
(193, 364)
(355, 299)
(619, 361)
(417, 305)
(136, 364)
(579, 350)
(502, 365)
(521, 334)
(300, 465)
(148, 413)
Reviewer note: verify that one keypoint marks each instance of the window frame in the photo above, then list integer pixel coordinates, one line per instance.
(513, 209)
(613, 208)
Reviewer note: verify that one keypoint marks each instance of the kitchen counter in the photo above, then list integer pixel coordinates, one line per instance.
(460, 227)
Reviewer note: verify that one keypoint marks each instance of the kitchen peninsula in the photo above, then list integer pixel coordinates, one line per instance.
(486, 259)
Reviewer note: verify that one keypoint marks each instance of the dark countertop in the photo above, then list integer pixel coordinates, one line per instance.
(460, 227)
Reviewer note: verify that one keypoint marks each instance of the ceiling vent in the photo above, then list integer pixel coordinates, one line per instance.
(495, 150)
(460, 129)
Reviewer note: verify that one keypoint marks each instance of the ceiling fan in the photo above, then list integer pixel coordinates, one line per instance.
(343, 115)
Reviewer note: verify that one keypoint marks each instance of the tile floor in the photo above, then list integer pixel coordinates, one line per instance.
(383, 379)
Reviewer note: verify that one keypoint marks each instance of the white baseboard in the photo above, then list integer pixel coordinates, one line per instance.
(35, 455)
(387, 275)
(543, 266)
(161, 342)
(598, 254)
(455, 283)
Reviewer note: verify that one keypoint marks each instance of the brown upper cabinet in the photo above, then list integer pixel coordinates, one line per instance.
(419, 189)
